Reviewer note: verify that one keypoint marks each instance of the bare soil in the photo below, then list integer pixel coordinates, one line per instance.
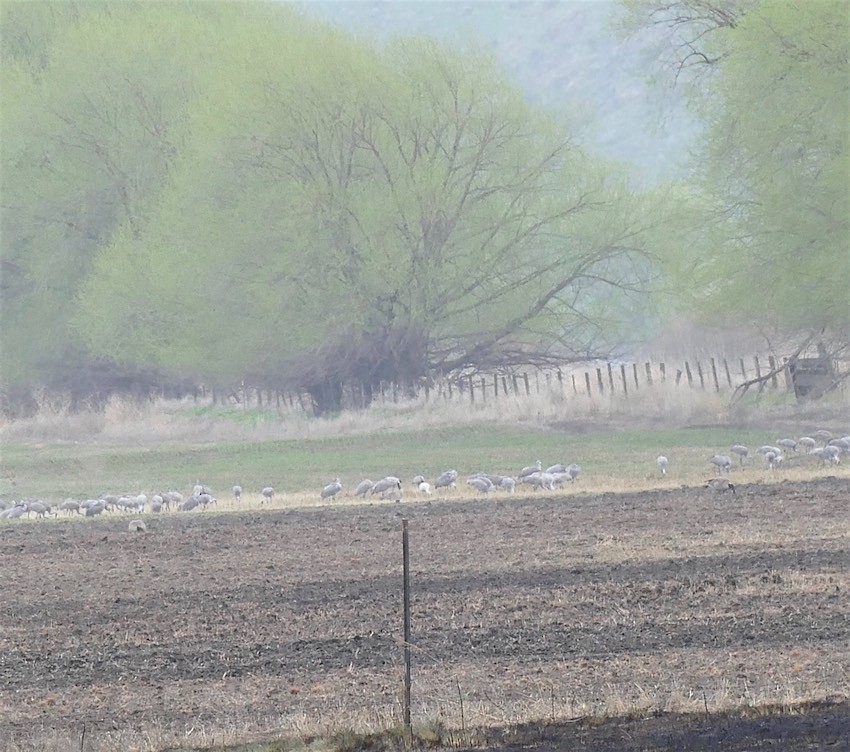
(642, 607)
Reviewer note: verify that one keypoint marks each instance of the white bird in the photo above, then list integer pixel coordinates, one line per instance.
(417, 479)
(446, 479)
(332, 489)
(662, 463)
(831, 454)
(237, 493)
(268, 493)
(574, 471)
(425, 487)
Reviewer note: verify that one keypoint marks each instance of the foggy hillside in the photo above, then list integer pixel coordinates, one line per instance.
(557, 51)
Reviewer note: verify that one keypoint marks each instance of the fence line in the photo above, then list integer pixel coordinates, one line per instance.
(626, 379)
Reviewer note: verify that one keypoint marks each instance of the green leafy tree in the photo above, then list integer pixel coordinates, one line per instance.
(768, 235)
(353, 215)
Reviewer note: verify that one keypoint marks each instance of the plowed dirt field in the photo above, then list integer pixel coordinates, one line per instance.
(524, 609)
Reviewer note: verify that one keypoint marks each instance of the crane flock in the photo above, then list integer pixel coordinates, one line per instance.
(820, 446)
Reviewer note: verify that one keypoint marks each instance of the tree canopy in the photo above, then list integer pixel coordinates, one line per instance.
(768, 234)
(257, 196)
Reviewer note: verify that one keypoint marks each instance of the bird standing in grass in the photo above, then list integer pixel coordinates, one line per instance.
(332, 489)
(741, 451)
(662, 463)
(268, 493)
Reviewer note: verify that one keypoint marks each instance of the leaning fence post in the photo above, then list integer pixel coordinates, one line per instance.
(405, 553)
(728, 375)
(689, 374)
(527, 387)
(625, 382)
(701, 376)
(599, 381)
(635, 374)
(714, 373)
(610, 377)
(648, 367)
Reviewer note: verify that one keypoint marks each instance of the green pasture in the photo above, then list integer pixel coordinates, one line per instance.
(608, 459)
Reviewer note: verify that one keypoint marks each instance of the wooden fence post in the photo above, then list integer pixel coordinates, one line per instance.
(678, 376)
(714, 373)
(471, 390)
(743, 370)
(689, 374)
(758, 366)
(610, 377)
(635, 374)
(483, 389)
(587, 382)
(405, 555)
(599, 379)
(663, 368)
(625, 381)
(648, 368)
(728, 375)
(575, 388)
(527, 387)
(774, 380)
(700, 374)
(561, 381)
(516, 386)
(505, 385)
(496, 387)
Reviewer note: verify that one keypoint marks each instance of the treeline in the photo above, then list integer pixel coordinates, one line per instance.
(233, 193)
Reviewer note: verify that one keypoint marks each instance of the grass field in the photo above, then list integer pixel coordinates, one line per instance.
(610, 461)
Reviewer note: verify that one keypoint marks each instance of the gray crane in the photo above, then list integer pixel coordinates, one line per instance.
(741, 451)
(481, 484)
(268, 493)
(662, 463)
(721, 461)
(237, 493)
(332, 489)
(364, 487)
(537, 467)
(385, 484)
(807, 442)
(446, 479)
(789, 444)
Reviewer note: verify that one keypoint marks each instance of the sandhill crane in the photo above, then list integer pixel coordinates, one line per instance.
(385, 484)
(508, 484)
(721, 461)
(831, 454)
(720, 485)
(741, 451)
(417, 479)
(552, 469)
(364, 487)
(237, 493)
(787, 444)
(206, 499)
(823, 436)
(446, 479)
(156, 504)
(574, 471)
(807, 442)
(662, 463)
(772, 459)
(41, 508)
(188, 505)
(425, 487)
(768, 448)
(14, 512)
(137, 526)
(843, 443)
(95, 509)
(537, 467)
(268, 493)
(70, 505)
(332, 489)
(481, 484)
